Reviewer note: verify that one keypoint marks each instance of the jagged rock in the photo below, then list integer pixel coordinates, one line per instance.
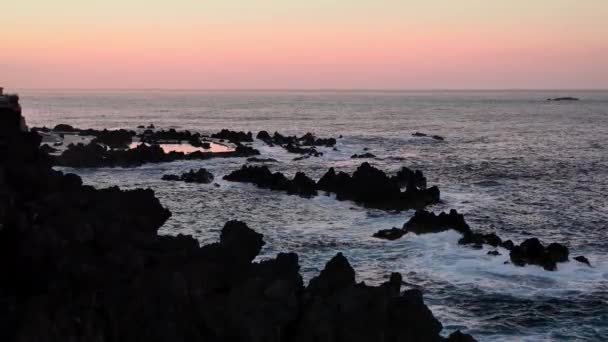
(262, 177)
(192, 176)
(363, 156)
(373, 188)
(95, 155)
(410, 179)
(309, 139)
(390, 234)
(48, 149)
(168, 136)
(424, 222)
(233, 136)
(533, 252)
(293, 144)
(582, 259)
(114, 139)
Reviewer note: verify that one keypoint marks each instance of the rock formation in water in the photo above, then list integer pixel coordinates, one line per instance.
(233, 136)
(363, 156)
(83, 264)
(262, 177)
(374, 189)
(531, 251)
(95, 155)
(298, 145)
(566, 98)
(367, 186)
(193, 176)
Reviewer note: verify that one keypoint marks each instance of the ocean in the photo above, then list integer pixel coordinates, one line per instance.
(512, 162)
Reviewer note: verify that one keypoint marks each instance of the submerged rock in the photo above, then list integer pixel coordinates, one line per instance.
(261, 160)
(363, 156)
(583, 260)
(390, 234)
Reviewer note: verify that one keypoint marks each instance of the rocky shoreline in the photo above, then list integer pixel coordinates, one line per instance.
(88, 265)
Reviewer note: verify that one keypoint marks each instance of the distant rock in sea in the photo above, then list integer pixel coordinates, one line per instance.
(567, 98)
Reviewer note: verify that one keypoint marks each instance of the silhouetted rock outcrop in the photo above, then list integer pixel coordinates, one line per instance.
(169, 136)
(533, 252)
(199, 176)
(262, 177)
(115, 139)
(363, 156)
(302, 145)
(582, 259)
(95, 155)
(373, 188)
(410, 179)
(566, 98)
(233, 136)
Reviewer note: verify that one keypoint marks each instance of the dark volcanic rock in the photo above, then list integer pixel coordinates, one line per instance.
(171, 135)
(48, 149)
(114, 139)
(582, 259)
(233, 136)
(410, 179)
(262, 177)
(495, 253)
(533, 252)
(261, 160)
(418, 134)
(87, 265)
(95, 155)
(373, 188)
(192, 176)
(65, 128)
(363, 156)
(424, 222)
(390, 234)
(293, 144)
(567, 98)
(438, 137)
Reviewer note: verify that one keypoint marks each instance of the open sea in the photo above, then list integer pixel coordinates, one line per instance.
(512, 162)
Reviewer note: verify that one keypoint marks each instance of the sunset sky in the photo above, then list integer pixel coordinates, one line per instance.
(316, 44)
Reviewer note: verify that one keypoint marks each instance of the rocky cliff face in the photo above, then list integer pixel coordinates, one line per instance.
(82, 264)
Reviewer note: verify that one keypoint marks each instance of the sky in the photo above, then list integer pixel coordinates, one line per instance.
(312, 44)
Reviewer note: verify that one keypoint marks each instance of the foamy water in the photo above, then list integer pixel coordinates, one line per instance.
(513, 163)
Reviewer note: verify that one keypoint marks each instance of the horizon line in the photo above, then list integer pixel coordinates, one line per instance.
(303, 89)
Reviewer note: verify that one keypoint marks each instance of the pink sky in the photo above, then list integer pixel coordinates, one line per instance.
(380, 44)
